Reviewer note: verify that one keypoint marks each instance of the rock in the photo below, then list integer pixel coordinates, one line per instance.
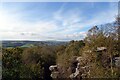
(77, 69)
(53, 68)
(117, 61)
(55, 74)
(101, 48)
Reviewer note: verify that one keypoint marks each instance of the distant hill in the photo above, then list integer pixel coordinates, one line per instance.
(9, 44)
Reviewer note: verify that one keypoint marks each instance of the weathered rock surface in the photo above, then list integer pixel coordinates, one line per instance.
(78, 69)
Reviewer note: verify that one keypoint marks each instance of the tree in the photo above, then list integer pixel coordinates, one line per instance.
(38, 60)
(11, 63)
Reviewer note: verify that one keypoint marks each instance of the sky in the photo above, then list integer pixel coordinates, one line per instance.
(62, 21)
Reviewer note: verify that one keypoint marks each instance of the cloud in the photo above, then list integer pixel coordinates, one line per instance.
(64, 25)
(76, 36)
